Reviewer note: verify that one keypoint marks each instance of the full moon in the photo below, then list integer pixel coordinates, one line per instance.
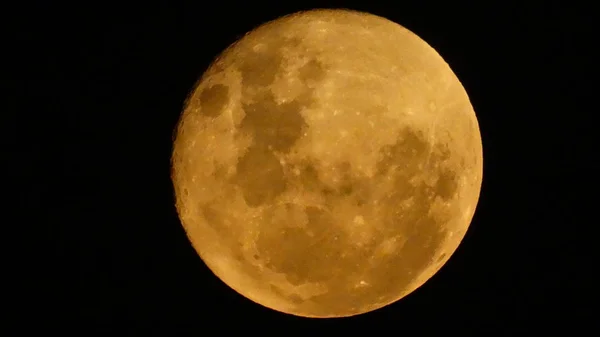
(327, 164)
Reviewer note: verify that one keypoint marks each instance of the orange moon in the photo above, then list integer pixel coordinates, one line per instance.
(327, 164)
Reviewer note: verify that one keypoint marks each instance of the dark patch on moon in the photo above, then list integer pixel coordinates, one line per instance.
(396, 272)
(357, 188)
(299, 252)
(403, 160)
(317, 252)
(295, 299)
(260, 176)
(260, 68)
(405, 154)
(213, 217)
(275, 126)
(423, 233)
(446, 185)
(220, 171)
(312, 71)
(389, 276)
(218, 220)
(308, 177)
(213, 99)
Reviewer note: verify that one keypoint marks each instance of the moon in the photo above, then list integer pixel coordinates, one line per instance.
(327, 164)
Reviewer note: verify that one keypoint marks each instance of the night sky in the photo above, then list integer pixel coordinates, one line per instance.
(98, 92)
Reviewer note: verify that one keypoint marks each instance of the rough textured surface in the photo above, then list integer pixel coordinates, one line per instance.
(322, 175)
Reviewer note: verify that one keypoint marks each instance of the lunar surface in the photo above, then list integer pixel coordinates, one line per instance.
(327, 164)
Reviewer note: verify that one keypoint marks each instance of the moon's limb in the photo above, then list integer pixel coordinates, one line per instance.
(322, 176)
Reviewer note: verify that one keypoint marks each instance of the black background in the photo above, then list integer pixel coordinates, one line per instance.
(99, 88)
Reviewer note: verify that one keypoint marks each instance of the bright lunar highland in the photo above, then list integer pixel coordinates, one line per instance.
(327, 164)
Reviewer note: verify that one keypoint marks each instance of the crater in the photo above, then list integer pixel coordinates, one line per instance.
(213, 99)
(260, 176)
(441, 258)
